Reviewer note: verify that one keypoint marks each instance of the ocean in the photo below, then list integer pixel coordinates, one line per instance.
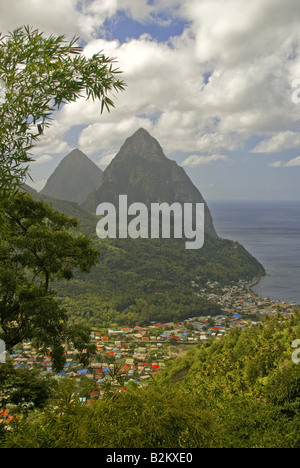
(270, 231)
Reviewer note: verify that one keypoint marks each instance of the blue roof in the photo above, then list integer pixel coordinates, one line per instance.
(84, 371)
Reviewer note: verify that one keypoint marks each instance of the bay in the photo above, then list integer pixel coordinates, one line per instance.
(270, 231)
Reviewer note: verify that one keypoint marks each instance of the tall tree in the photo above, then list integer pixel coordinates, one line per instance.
(40, 246)
(37, 75)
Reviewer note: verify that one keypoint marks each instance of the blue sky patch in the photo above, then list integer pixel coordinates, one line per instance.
(122, 27)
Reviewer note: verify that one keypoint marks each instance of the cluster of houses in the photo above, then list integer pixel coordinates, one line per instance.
(240, 299)
(140, 352)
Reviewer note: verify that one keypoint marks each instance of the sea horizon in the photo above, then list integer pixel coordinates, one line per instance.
(269, 230)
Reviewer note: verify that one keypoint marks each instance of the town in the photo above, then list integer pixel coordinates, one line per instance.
(141, 352)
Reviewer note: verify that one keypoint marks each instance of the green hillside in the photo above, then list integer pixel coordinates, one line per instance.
(138, 281)
(240, 392)
(123, 287)
(87, 220)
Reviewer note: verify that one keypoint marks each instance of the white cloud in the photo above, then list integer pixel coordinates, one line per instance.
(52, 141)
(280, 142)
(52, 17)
(109, 135)
(295, 162)
(195, 160)
(37, 185)
(249, 49)
(106, 159)
(276, 164)
(166, 80)
(76, 17)
(165, 86)
(45, 158)
(238, 31)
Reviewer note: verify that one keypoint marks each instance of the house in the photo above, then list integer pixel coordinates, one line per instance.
(129, 362)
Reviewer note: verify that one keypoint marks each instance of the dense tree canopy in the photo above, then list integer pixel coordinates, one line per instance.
(239, 392)
(143, 280)
(40, 245)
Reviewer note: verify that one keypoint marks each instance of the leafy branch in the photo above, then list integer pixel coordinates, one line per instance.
(38, 74)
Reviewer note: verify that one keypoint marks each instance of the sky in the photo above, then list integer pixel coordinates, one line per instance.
(216, 82)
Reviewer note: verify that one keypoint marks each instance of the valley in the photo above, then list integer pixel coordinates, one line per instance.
(137, 353)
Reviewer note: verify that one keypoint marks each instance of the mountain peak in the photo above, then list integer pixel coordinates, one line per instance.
(74, 178)
(142, 131)
(142, 172)
(142, 145)
(75, 154)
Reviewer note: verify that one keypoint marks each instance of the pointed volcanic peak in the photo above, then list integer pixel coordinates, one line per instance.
(74, 178)
(141, 145)
(142, 172)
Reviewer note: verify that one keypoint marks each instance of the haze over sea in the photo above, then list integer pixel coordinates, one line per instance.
(270, 231)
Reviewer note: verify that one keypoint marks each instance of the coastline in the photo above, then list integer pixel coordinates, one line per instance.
(254, 283)
(270, 232)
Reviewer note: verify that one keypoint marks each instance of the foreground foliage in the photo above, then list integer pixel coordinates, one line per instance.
(37, 75)
(242, 391)
(40, 246)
